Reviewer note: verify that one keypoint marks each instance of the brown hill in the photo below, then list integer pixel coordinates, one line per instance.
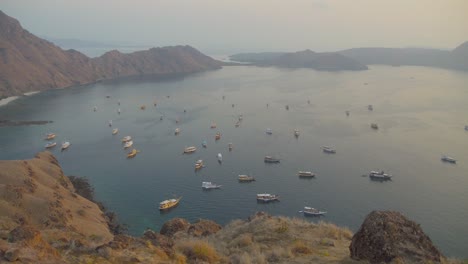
(29, 63)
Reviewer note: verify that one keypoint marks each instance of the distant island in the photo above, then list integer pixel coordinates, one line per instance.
(358, 58)
(29, 63)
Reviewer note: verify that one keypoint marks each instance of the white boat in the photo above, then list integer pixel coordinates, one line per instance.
(269, 131)
(266, 197)
(310, 211)
(118, 111)
(210, 185)
(126, 138)
(128, 144)
(65, 145)
(50, 136)
(380, 175)
(327, 149)
(177, 131)
(296, 132)
(115, 131)
(50, 145)
(448, 159)
(190, 150)
(220, 158)
(306, 174)
(246, 178)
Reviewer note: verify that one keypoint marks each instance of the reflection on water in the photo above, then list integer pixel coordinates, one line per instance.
(420, 112)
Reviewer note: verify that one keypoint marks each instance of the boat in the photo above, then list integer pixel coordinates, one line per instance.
(306, 174)
(65, 145)
(118, 111)
(199, 164)
(177, 131)
(50, 136)
(270, 159)
(241, 117)
(218, 136)
(118, 102)
(374, 126)
(448, 159)
(230, 146)
(95, 108)
(287, 107)
(220, 158)
(310, 211)
(204, 144)
(296, 132)
(266, 197)
(327, 149)
(190, 150)
(115, 131)
(107, 96)
(168, 204)
(347, 113)
(213, 125)
(132, 153)
(269, 131)
(370, 107)
(246, 178)
(210, 185)
(128, 144)
(143, 107)
(110, 123)
(466, 128)
(50, 145)
(237, 124)
(126, 138)
(380, 175)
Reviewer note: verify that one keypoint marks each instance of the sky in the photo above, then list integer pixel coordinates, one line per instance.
(226, 27)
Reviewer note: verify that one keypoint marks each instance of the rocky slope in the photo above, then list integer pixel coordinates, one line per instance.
(29, 63)
(44, 219)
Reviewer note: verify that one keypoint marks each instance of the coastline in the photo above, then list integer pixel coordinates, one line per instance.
(7, 100)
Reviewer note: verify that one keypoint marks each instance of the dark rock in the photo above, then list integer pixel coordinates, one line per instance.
(12, 254)
(121, 242)
(203, 228)
(23, 233)
(385, 236)
(173, 226)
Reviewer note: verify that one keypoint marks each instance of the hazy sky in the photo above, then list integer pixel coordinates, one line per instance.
(225, 26)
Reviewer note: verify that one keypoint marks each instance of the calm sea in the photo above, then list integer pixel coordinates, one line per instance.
(421, 113)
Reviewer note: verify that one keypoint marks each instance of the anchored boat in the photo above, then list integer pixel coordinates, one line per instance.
(448, 159)
(115, 131)
(210, 185)
(199, 164)
(306, 174)
(126, 138)
(50, 136)
(270, 159)
(266, 197)
(310, 211)
(327, 149)
(380, 175)
(190, 150)
(65, 145)
(168, 204)
(132, 153)
(128, 144)
(50, 145)
(246, 178)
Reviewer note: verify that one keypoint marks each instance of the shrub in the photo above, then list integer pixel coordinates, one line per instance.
(199, 250)
(299, 247)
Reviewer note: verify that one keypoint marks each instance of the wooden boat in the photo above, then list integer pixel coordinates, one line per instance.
(168, 204)
(199, 164)
(306, 174)
(329, 150)
(266, 197)
(218, 136)
(126, 138)
(270, 159)
(246, 178)
(143, 107)
(128, 144)
(115, 131)
(50, 136)
(310, 211)
(210, 185)
(132, 153)
(374, 126)
(176, 131)
(448, 159)
(65, 145)
(50, 145)
(190, 150)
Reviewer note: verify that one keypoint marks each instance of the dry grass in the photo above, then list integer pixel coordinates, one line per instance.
(198, 250)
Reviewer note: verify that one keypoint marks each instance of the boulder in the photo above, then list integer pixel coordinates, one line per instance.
(203, 228)
(173, 226)
(386, 236)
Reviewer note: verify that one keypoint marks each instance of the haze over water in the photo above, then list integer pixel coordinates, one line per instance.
(421, 113)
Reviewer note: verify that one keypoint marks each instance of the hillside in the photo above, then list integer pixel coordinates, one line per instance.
(29, 63)
(327, 61)
(44, 219)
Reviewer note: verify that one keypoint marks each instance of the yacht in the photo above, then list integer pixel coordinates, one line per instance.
(448, 159)
(218, 136)
(305, 174)
(128, 144)
(190, 150)
(246, 178)
(115, 131)
(126, 138)
(170, 203)
(266, 197)
(199, 164)
(65, 145)
(50, 145)
(177, 131)
(220, 158)
(270, 159)
(213, 125)
(132, 153)
(50, 136)
(380, 175)
(327, 149)
(310, 211)
(210, 185)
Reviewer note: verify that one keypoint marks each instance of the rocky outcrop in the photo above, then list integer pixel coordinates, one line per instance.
(203, 228)
(173, 226)
(387, 236)
(29, 63)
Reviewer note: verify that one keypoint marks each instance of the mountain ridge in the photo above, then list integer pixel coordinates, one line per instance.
(29, 63)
